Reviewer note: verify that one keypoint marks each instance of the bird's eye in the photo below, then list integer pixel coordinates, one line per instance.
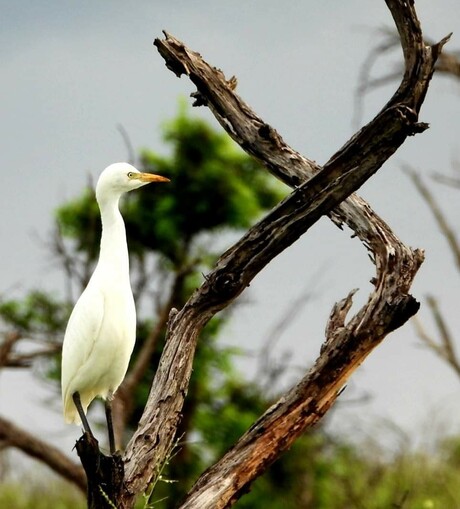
(130, 174)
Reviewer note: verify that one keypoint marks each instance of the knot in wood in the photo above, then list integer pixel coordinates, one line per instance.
(226, 284)
(200, 99)
(265, 132)
(407, 114)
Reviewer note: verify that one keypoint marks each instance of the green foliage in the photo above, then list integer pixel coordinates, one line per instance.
(214, 186)
(79, 219)
(317, 473)
(320, 473)
(39, 313)
(40, 495)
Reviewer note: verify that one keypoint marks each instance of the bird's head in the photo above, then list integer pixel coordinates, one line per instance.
(121, 178)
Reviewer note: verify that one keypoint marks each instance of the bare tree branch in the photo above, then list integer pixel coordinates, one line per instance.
(25, 360)
(9, 340)
(446, 180)
(123, 403)
(59, 248)
(439, 216)
(128, 145)
(265, 370)
(448, 63)
(444, 347)
(365, 82)
(14, 436)
(441, 325)
(388, 307)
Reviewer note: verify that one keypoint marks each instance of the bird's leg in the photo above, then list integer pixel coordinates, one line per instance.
(108, 415)
(81, 413)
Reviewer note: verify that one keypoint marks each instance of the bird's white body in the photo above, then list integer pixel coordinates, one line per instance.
(101, 332)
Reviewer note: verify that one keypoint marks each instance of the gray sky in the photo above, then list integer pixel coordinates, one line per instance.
(73, 70)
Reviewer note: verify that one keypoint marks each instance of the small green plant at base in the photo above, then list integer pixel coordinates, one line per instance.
(147, 496)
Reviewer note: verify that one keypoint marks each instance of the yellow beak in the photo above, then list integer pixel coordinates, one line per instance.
(151, 177)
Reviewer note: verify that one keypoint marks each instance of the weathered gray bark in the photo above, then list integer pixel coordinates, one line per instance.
(317, 191)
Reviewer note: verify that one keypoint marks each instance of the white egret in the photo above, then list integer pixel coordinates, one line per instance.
(101, 331)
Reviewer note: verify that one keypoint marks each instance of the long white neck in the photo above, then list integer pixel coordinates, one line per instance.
(113, 257)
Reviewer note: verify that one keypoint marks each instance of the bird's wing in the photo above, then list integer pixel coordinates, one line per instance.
(80, 337)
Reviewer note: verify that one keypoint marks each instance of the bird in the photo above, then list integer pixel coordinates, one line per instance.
(101, 331)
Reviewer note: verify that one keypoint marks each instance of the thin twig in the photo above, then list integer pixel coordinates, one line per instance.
(9, 340)
(14, 436)
(441, 220)
(127, 141)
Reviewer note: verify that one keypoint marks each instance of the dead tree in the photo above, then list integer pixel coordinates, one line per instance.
(317, 191)
(442, 342)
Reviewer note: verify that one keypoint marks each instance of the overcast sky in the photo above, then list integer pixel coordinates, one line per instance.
(74, 70)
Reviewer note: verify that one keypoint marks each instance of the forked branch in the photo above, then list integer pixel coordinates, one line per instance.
(318, 191)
